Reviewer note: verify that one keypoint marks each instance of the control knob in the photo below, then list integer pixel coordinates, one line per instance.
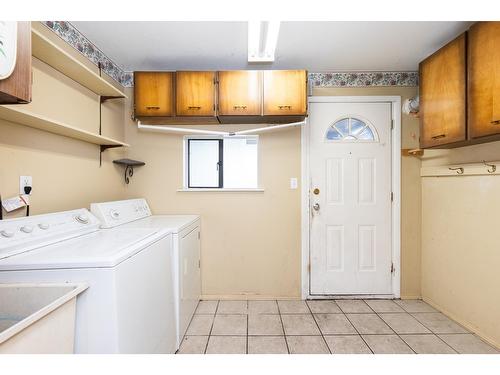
(43, 226)
(7, 233)
(27, 229)
(82, 218)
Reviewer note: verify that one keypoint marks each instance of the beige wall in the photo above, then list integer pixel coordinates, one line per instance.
(460, 247)
(66, 173)
(410, 187)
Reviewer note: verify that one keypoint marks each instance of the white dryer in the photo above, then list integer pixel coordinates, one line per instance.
(186, 232)
(128, 307)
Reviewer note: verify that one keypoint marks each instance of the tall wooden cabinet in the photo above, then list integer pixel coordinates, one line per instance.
(443, 95)
(195, 94)
(484, 79)
(154, 94)
(16, 89)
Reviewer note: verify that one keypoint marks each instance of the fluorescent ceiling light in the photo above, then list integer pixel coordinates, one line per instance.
(262, 40)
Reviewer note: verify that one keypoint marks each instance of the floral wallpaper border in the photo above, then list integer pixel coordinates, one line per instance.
(78, 41)
(70, 34)
(363, 79)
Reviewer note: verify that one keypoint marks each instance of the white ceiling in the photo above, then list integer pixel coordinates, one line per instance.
(315, 46)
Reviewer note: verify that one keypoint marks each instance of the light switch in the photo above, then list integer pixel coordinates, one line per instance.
(293, 183)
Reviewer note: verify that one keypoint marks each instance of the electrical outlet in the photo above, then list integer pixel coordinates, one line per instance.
(25, 181)
(293, 183)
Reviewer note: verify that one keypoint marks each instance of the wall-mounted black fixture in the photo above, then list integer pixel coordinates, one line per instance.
(129, 167)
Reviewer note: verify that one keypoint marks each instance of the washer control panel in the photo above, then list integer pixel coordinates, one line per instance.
(22, 234)
(112, 214)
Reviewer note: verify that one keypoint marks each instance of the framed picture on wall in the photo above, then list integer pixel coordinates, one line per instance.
(8, 48)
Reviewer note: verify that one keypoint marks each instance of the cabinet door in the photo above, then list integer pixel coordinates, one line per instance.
(195, 93)
(484, 79)
(240, 93)
(442, 96)
(285, 92)
(154, 93)
(17, 87)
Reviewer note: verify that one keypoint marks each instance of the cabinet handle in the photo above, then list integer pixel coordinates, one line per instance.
(239, 106)
(439, 136)
(194, 107)
(152, 107)
(285, 107)
(495, 122)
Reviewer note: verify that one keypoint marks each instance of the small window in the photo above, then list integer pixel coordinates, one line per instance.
(350, 130)
(226, 162)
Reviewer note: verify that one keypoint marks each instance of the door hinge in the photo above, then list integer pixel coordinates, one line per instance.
(309, 268)
(392, 196)
(392, 124)
(199, 236)
(199, 263)
(392, 268)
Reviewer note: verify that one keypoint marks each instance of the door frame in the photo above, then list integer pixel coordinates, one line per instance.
(395, 102)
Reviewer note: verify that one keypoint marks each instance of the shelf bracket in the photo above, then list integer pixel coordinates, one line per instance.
(103, 148)
(129, 165)
(129, 172)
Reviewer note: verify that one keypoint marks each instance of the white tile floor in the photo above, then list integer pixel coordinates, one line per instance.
(326, 326)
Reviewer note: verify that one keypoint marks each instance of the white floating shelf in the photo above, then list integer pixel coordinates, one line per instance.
(18, 114)
(47, 51)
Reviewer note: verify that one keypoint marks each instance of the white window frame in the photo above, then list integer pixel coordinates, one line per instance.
(186, 188)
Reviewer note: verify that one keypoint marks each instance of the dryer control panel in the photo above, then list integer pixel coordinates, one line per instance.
(112, 214)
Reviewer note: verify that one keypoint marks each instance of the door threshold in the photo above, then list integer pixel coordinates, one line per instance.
(352, 296)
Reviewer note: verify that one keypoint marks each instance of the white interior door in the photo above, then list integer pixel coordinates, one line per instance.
(350, 170)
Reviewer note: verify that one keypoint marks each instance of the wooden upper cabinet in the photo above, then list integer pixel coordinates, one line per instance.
(484, 79)
(443, 95)
(285, 92)
(154, 93)
(240, 93)
(195, 94)
(16, 89)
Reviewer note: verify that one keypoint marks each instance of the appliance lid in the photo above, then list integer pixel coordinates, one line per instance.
(95, 250)
(174, 223)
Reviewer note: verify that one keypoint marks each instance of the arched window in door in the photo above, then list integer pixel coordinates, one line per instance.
(351, 129)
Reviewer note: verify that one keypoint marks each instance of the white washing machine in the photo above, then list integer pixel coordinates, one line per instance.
(128, 307)
(186, 232)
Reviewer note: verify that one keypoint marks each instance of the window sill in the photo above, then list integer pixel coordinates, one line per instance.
(249, 190)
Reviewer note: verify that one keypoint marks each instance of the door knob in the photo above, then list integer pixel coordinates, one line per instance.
(316, 206)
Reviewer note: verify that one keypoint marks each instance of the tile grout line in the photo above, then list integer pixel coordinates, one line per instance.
(319, 329)
(436, 334)
(282, 327)
(359, 334)
(211, 327)
(189, 324)
(397, 334)
(353, 326)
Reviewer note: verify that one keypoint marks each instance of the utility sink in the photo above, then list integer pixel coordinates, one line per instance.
(38, 318)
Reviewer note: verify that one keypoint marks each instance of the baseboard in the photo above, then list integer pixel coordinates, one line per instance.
(409, 296)
(246, 297)
(462, 322)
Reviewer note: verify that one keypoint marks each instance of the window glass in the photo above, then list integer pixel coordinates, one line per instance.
(203, 158)
(350, 129)
(228, 162)
(240, 162)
